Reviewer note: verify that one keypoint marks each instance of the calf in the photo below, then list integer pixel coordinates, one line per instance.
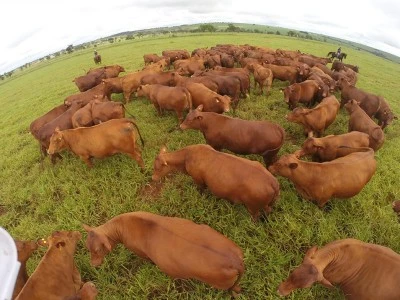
(331, 147)
(304, 92)
(316, 119)
(25, 250)
(179, 247)
(168, 98)
(362, 270)
(207, 167)
(105, 139)
(239, 136)
(343, 177)
(210, 100)
(360, 121)
(56, 276)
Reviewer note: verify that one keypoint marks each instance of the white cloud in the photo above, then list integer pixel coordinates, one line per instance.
(32, 29)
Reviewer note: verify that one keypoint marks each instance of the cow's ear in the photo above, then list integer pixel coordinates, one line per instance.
(163, 149)
(326, 282)
(293, 166)
(87, 227)
(200, 107)
(57, 129)
(311, 252)
(199, 117)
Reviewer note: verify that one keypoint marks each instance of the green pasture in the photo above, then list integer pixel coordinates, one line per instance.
(36, 199)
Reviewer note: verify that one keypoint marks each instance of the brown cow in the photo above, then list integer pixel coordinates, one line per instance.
(374, 105)
(338, 65)
(244, 78)
(98, 92)
(239, 136)
(105, 139)
(132, 81)
(210, 100)
(316, 119)
(174, 55)
(262, 76)
(343, 177)
(208, 167)
(189, 66)
(56, 276)
(164, 78)
(89, 81)
(303, 92)
(64, 121)
(205, 80)
(46, 118)
(163, 97)
(329, 148)
(360, 121)
(362, 270)
(151, 58)
(25, 250)
(284, 73)
(179, 247)
(112, 85)
(87, 292)
(97, 112)
(227, 61)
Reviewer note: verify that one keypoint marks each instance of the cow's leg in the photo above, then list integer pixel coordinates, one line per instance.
(87, 159)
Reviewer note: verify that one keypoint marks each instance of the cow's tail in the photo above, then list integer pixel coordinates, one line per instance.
(282, 131)
(137, 128)
(123, 106)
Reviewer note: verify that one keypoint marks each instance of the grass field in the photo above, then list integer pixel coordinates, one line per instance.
(35, 200)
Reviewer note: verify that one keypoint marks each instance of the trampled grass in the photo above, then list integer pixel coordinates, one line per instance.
(36, 200)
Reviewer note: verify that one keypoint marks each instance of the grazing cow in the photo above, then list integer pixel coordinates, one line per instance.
(98, 92)
(361, 270)
(179, 247)
(360, 121)
(331, 147)
(316, 119)
(105, 139)
(63, 121)
(89, 81)
(207, 167)
(25, 250)
(239, 136)
(210, 100)
(373, 105)
(56, 276)
(262, 76)
(163, 97)
(46, 118)
(97, 59)
(97, 112)
(304, 92)
(132, 81)
(343, 177)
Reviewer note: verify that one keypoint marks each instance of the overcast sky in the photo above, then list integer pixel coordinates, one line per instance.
(31, 29)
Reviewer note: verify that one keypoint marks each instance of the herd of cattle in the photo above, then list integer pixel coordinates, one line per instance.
(208, 83)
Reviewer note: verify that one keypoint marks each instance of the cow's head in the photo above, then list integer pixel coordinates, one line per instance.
(285, 165)
(142, 90)
(304, 276)
(57, 142)
(352, 105)
(98, 245)
(25, 249)
(311, 146)
(62, 240)
(193, 119)
(88, 291)
(161, 165)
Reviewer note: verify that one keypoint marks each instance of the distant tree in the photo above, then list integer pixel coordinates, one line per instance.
(2, 77)
(57, 54)
(277, 32)
(257, 31)
(291, 33)
(140, 35)
(70, 48)
(207, 27)
(270, 32)
(48, 57)
(232, 28)
(111, 40)
(130, 37)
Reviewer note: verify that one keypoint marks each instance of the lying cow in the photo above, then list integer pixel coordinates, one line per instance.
(331, 147)
(239, 136)
(223, 174)
(163, 97)
(97, 112)
(179, 247)
(56, 276)
(360, 121)
(343, 177)
(316, 119)
(305, 92)
(105, 139)
(25, 250)
(362, 270)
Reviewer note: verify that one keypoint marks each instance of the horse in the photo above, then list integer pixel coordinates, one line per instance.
(334, 54)
(97, 59)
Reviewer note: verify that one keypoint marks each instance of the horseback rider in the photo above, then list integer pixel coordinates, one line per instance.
(338, 51)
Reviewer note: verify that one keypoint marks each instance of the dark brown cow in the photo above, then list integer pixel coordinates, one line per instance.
(316, 119)
(343, 177)
(374, 105)
(360, 121)
(239, 136)
(64, 121)
(105, 139)
(227, 61)
(304, 92)
(97, 112)
(361, 270)
(210, 100)
(56, 276)
(179, 247)
(89, 81)
(333, 146)
(163, 97)
(338, 65)
(244, 78)
(223, 175)
(25, 250)
(174, 55)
